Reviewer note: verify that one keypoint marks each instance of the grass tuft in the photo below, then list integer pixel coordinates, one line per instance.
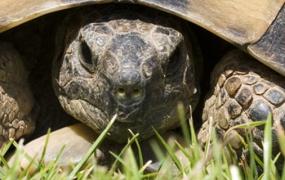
(188, 160)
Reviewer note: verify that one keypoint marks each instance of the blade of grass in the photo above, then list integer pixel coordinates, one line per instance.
(283, 172)
(4, 150)
(182, 118)
(92, 149)
(139, 150)
(157, 150)
(192, 129)
(196, 147)
(281, 137)
(235, 174)
(267, 148)
(45, 148)
(118, 158)
(183, 150)
(246, 125)
(86, 173)
(217, 154)
(150, 175)
(130, 142)
(6, 147)
(252, 164)
(32, 160)
(210, 129)
(170, 152)
(15, 167)
(53, 165)
(145, 166)
(131, 170)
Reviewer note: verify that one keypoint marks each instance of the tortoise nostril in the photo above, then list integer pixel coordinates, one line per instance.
(136, 93)
(121, 90)
(129, 89)
(129, 95)
(121, 93)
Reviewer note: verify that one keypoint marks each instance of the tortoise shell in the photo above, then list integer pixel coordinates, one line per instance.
(255, 26)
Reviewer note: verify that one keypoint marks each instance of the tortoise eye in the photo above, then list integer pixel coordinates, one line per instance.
(87, 59)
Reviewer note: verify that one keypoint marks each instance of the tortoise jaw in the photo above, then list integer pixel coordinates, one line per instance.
(128, 115)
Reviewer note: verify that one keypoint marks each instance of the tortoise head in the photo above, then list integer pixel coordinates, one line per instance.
(129, 67)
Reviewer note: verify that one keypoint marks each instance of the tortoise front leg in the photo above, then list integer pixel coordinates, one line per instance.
(243, 90)
(16, 101)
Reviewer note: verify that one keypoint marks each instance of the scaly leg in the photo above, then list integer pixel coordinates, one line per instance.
(243, 90)
(16, 100)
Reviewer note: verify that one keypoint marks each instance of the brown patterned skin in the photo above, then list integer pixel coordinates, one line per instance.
(133, 63)
(16, 100)
(243, 90)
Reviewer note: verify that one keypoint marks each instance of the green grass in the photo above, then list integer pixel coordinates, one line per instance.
(217, 161)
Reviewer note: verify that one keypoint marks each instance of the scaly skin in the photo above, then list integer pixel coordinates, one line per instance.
(128, 63)
(243, 90)
(16, 100)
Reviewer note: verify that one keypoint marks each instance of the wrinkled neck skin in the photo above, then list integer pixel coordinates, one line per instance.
(137, 65)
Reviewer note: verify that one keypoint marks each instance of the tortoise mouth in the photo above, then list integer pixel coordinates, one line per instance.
(159, 117)
(129, 114)
(124, 116)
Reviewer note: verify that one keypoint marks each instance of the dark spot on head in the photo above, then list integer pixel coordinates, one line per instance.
(148, 67)
(102, 29)
(162, 30)
(86, 52)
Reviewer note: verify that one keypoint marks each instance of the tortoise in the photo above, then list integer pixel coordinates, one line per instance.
(138, 59)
